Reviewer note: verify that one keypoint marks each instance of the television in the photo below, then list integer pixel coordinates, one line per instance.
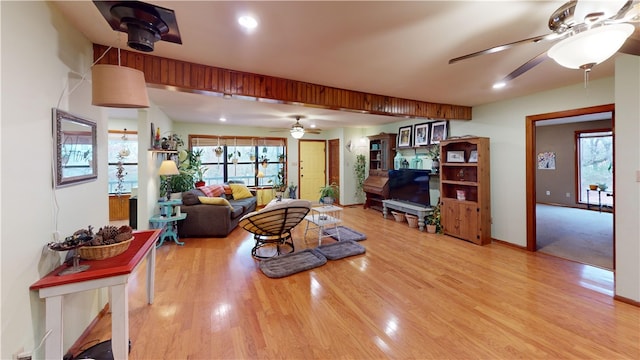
(410, 185)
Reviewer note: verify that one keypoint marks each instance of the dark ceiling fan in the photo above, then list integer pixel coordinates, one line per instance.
(298, 130)
(574, 24)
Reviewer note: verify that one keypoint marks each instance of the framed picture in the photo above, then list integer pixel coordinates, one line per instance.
(404, 136)
(438, 132)
(473, 156)
(421, 134)
(455, 156)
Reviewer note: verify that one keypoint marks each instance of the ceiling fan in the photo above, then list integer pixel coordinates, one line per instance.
(297, 130)
(580, 27)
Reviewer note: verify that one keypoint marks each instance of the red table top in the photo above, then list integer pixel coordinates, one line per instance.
(122, 264)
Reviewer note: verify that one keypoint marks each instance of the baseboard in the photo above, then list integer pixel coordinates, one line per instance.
(502, 242)
(626, 300)
(78, 345)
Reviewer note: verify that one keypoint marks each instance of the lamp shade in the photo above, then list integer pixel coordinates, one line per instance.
(591, 47)
(168, 167)
(119, 87)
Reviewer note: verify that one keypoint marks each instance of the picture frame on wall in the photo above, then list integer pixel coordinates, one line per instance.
(404, 136)
(438, 132)
(421, 134)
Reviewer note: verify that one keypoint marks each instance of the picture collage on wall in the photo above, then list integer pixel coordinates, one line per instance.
(423, 134)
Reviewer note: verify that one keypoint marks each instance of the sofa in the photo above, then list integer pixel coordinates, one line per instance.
(212, 214)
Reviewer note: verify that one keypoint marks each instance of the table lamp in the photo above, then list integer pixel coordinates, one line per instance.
(168, 168)
(260, 176)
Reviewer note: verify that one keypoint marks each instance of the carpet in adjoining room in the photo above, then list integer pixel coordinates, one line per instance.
(585, 236)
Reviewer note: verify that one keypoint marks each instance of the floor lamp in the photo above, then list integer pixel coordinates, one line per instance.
(167, 169)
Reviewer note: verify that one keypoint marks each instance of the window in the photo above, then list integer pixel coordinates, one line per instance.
(241, 159)
(595, 165)
(123, 146)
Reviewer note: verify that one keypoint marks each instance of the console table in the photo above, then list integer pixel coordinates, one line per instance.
(113, 273)
(420, 211)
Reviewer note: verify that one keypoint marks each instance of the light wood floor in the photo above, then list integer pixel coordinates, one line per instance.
(411, 295)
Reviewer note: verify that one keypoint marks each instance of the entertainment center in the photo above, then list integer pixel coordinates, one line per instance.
(409, 193)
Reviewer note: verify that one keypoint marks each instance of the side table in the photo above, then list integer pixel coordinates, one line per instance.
(167, 220)
(322, 217)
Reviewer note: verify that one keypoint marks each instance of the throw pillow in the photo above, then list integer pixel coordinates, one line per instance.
(215, 201)
(212, 190)
(240, 191)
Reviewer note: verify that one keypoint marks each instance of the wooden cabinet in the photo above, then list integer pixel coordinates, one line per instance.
(465, 189)
(381, 151)
(381, 155)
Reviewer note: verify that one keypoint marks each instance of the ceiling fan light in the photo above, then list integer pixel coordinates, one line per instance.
(605, 9)
(297, 131)
(118, 87)
(590, 47)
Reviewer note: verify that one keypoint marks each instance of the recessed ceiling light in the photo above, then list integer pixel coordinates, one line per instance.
(499, 85)
(313, 125)
(247, 22)
(223, 119)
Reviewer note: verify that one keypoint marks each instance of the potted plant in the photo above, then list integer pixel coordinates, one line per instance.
(329, 193)
(195, 165)
(433, 152)
(359, 168)
(264, 160)
(433, 221)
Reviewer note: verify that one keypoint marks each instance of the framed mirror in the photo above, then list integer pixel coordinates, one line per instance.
(75, 149)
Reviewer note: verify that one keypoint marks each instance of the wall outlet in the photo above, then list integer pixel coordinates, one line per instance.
(548, 192)
(568, 195)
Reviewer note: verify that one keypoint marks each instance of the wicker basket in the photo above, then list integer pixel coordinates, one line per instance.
(102, 252)
(398, 216)
(412, 220)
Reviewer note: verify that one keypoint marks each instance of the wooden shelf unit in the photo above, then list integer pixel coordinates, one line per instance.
(381, 154)
(465, 199)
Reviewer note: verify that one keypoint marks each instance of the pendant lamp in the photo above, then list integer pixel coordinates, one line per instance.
(119, 87)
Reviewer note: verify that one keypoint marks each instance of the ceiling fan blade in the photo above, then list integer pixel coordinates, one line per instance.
(503, 47)
(526, 67)
(631, 47)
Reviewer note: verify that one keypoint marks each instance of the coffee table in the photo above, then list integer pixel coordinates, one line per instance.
(321, 218)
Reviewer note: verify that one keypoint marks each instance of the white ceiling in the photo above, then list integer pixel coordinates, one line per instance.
(392, 48)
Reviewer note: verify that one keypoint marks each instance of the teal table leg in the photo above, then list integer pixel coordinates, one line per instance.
(169, 230)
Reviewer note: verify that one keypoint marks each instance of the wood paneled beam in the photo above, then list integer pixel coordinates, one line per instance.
(205, 79)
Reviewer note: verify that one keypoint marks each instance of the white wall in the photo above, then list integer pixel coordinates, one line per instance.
(627, 162)
(37, 61)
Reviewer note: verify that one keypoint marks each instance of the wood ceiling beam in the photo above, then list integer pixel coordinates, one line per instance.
(205, 79)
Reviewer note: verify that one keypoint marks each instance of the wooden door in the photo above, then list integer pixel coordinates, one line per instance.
(312, 168)
(334, 163)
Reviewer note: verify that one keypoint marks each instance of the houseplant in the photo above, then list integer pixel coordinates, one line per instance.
(196, 167)
(433, 152)
(359, 168)
(433, 221)
(329, 193)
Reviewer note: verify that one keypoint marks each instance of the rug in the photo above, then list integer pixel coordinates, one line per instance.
(345, 234)
(341, 249)
(288, 264)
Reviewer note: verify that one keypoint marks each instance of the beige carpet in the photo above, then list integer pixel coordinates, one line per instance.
(584, 236)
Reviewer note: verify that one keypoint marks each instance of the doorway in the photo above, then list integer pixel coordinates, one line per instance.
(532, 193)
(312, 168)
(333, 156)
